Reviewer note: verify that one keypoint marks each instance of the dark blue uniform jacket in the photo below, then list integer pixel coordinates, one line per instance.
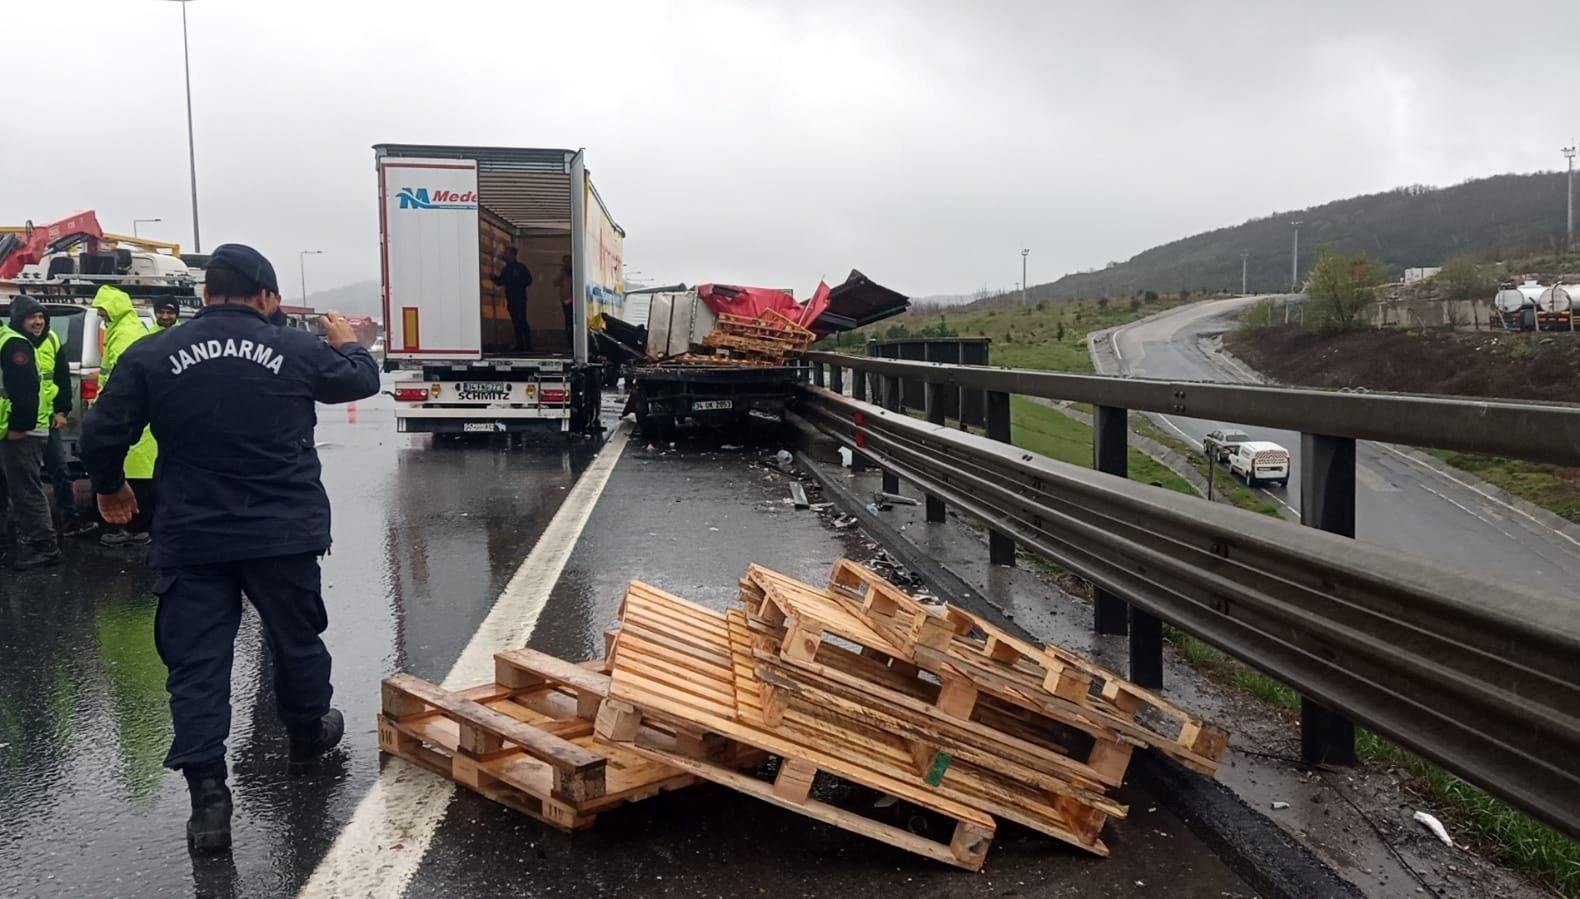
(231, 400)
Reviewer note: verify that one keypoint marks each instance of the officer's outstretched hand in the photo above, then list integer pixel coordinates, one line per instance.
(118, 507)
(337, 331)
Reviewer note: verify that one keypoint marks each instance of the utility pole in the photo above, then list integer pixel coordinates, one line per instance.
(1569, 154)
(1023, 282)
(186, 57)
(1243, 258)
(301, 261)
(1294, 261)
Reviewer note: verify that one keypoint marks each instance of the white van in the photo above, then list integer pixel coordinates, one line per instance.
(1260, 462)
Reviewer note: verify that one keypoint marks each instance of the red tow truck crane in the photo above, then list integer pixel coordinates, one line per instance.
(38, 241)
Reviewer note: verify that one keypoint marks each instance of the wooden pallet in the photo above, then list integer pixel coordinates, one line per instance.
(687, 665)
(791, 621)
(526, 741)
(1047, 679)
(773, 325)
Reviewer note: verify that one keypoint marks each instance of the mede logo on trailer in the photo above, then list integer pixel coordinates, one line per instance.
(422, 198)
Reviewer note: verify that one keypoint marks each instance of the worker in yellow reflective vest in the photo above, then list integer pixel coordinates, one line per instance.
(54, 378)
(167, 313)
(25, 416)
(123, 327)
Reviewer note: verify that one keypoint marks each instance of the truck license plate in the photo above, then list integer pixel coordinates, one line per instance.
(483, 390)
(703, 405)
(486, 427)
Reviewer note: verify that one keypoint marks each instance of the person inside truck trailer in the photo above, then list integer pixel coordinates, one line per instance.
(515, 279)
(565, 284)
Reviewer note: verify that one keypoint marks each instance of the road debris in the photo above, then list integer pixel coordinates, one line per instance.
(1280, 805)
(1435, 826)
(893, 499)
(852, 681)
(798, 495)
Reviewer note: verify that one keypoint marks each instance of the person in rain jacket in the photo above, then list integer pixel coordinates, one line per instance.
(24, 425)
(123, 327)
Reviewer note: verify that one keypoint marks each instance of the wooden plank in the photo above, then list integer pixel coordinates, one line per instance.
(794, 781)
(562, 754)
(545, 666)
(922, 725)
(828, 814)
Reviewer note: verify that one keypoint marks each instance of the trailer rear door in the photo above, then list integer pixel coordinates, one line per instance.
(432, 280)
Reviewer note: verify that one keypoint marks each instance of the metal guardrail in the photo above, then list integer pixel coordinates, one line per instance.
(1539, 432)
(1480, 677)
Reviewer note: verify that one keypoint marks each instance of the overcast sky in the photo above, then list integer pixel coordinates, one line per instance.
(780, 142)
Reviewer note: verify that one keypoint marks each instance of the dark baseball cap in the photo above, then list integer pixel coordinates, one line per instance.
(167, 303)
(246, 262)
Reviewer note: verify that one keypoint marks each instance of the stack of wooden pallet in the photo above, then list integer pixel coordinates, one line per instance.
(854, 680)
(739, 340)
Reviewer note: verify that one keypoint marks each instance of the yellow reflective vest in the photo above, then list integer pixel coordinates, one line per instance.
(45, 400)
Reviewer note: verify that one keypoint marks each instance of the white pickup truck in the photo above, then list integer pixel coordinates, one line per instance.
(1260, 462)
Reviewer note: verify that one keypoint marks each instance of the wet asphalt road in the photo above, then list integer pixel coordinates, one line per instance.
(1398, 503)
(426, 537)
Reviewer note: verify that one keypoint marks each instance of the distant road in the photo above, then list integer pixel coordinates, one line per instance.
(1399, 502)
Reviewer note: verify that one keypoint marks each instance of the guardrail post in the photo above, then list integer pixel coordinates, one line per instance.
(933, 397)
(858, 385)
(1110, 455)
(836, 379)
(1001, 548)
(817, 373)
(889, 398)
(1327, 501)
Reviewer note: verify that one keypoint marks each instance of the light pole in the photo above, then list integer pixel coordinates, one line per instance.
(186, 61)
(1569, 154)
(136, 222)
(301, 260)
(1243, 258)
(1023, 282)
(1294, 261)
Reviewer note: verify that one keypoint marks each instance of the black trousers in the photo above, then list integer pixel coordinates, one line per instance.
(518, 323)
(195, 632)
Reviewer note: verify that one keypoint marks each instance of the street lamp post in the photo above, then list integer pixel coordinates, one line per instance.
(136, 222)
(186, 61)
(1569, 154)
(1023, 281)
(1294, 261)
(301, 259)
(1243, 258)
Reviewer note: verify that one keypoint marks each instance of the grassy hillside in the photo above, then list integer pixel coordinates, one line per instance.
(1412, 226)
(1048, 335)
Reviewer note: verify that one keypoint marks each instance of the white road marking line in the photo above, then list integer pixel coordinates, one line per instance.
(1274, 497)
(406, 803)
(1472, 488)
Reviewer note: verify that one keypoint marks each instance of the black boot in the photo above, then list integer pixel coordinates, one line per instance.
(36, 555)
(307, 747)
(208, 830)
